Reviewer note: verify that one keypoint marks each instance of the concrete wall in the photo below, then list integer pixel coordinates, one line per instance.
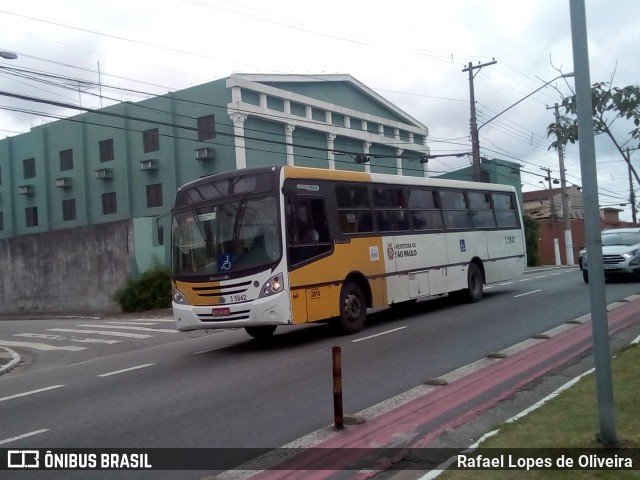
(75, 270)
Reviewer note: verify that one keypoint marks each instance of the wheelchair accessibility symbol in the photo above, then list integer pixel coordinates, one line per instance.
(463, 246)
(226, 264)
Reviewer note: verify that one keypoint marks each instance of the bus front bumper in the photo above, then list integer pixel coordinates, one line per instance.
(272, 310)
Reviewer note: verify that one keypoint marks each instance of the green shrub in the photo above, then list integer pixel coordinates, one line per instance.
(150, 291)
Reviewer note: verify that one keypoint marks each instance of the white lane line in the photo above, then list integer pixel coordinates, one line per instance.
(32, 392)
(99, 332)
(144, 329)
(126, 370)
(505, 283)
(528, 293)
(377, 334)
(524, 280)
(24, 435)
(541, 276)
(209, 350)
(132, 323)
(167, 320)
(40, 346)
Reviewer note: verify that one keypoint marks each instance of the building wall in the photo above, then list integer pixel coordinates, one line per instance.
(65, 271)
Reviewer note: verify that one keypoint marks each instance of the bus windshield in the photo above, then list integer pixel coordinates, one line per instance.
(226, 237)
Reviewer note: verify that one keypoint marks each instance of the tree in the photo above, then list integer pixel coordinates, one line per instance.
(531, 239)
(610, 104)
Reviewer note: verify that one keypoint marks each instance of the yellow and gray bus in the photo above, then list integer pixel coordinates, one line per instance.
(262, 247)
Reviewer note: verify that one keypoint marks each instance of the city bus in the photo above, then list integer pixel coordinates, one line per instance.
(261, 247)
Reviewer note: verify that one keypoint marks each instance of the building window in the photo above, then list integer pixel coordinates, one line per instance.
(0, 176)
(151, 140)
(109, 205)
(1, 221)
(206, 127)
(154, 195)
(31, 216)
(69, 209)
(29, 168)
(106, 150)
(66, 160)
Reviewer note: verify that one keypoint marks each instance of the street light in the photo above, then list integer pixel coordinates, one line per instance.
(6, 54)
(475, 140)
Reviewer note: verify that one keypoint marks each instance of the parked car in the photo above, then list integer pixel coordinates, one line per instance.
(620, 253)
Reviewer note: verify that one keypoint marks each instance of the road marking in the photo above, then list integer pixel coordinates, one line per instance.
(506, 283)
(113, 334)
(377, 334)
(40, 346)
(60, 337)
(144, 329)
(210, 350)
(32, 392)
(132, 323)
(524, 280)
(528, 293)
(126, 370)
(24, 435)
(167, 320)
(541, 276)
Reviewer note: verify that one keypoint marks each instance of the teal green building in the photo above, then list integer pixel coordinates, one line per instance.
(79, 196)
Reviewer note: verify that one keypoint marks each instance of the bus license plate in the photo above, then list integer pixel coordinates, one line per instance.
(221, 312)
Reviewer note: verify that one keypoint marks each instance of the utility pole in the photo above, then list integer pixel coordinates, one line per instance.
(552, 216)
(632, 194)
(568, 240)
(475, 140)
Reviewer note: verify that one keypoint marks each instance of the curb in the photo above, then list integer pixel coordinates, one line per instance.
(15, 360)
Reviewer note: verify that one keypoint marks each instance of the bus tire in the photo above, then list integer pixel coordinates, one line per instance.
(585, 276)
(475, 286)
(353, 308)
(261, 331)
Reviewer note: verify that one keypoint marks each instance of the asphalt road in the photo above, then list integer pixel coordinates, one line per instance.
(227, 390)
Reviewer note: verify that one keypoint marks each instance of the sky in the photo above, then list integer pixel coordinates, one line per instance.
(412, 52)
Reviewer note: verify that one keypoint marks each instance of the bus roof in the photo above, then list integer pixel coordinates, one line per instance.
(348, 175)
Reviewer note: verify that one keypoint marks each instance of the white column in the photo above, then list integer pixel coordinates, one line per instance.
(399, 161)
(330, 155)
(365, 149)
(288, 135)
(238, 120)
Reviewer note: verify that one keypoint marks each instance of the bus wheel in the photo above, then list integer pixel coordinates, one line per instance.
(353, 308)
(474, 290)
(263, 331)
(585, 276)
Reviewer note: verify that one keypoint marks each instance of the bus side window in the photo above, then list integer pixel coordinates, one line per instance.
(308, 232)
(354, 211)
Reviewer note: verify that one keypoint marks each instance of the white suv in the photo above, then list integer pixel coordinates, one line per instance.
(620, 253)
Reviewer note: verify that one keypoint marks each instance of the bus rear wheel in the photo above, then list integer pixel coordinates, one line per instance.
(475, 286)
(262, 331)
(353, 308)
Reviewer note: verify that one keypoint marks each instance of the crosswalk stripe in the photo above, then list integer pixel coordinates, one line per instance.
(145, 329)
(132, 323)
(99, 332)
(40, 346)
(60, 337)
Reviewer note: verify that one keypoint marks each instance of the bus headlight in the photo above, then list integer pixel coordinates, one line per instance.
(271, 286)
(178, 297)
